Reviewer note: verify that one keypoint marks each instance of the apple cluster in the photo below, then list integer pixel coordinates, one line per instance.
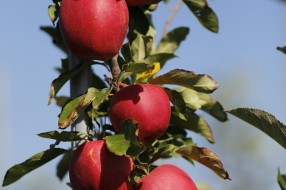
(95, 30)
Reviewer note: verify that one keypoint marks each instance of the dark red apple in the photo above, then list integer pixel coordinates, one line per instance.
(166, 177)
(147, 104)
(93, 29)
(141, 2)
(93, 167)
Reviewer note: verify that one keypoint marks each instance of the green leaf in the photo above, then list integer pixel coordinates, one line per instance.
(126, 142)
(137, 68)
(72, 110)
(204, 14)
(192, 122)
(62, 100)
(126, 52)
(281, 180)
(188, 79)
(18, 171)
(263, 121)
(172, 40)
(282, 49)
(64, 136)
(63, 165)
(56, 37)
(100, 96)
(197, 100)
(59, 82)
(138, 20)
(53, 13)
(205, 157)
(162, 58)
(141, 47)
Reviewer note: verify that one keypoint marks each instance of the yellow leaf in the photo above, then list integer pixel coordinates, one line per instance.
(154, 68)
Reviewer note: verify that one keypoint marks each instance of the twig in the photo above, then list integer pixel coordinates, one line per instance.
(174, 10)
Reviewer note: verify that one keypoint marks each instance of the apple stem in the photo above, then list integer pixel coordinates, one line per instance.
(79, 85)
(114, 67)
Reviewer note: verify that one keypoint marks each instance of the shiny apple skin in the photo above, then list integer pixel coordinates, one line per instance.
(147, 104)
(93, 29)
(93, 167)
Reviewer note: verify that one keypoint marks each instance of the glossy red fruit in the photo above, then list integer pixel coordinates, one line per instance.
(166, 177)
(93, 167)
(93, 29)
(147, 104)
(141, 2)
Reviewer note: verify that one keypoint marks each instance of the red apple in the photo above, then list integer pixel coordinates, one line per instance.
(166, 177)
(93, 29)
(141, 2)
(147, 104)
(93, 167)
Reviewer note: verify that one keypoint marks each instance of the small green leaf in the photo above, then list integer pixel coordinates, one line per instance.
(126, 142)
(162, 58)
(53, 13)
(204, 14)
(172, 40)
(62, 100)
(281, 178)
(64, 136)
(18, 171)
(282, 49)
(141, 47)
(192, 122)
(188, 79)
(263, 121)
(205, 157)
(72, 110)
(59, 82)
(63, 165)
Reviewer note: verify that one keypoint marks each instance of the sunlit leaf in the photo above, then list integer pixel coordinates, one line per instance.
(63, 165)
(100, 96)
(53, 13)
(188, 79)
(64, 136)
(172, 40)
(192, 122)
(282, 49)
(126, 142)
(197, 100)
(205, 157)
(204, 13)
(281, 178)
(18, 171)
(153, 69)
(76, 107)
(141, 47)
(263, 121)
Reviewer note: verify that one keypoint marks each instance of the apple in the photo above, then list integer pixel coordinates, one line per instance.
(141, 2)
(147, 104)
(166, 177)
(93, 167)
(93, 29)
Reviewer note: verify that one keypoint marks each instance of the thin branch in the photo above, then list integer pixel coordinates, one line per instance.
(114, 67)
(174, 10)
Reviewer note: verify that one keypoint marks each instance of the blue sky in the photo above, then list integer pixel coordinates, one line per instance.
(242, 57)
